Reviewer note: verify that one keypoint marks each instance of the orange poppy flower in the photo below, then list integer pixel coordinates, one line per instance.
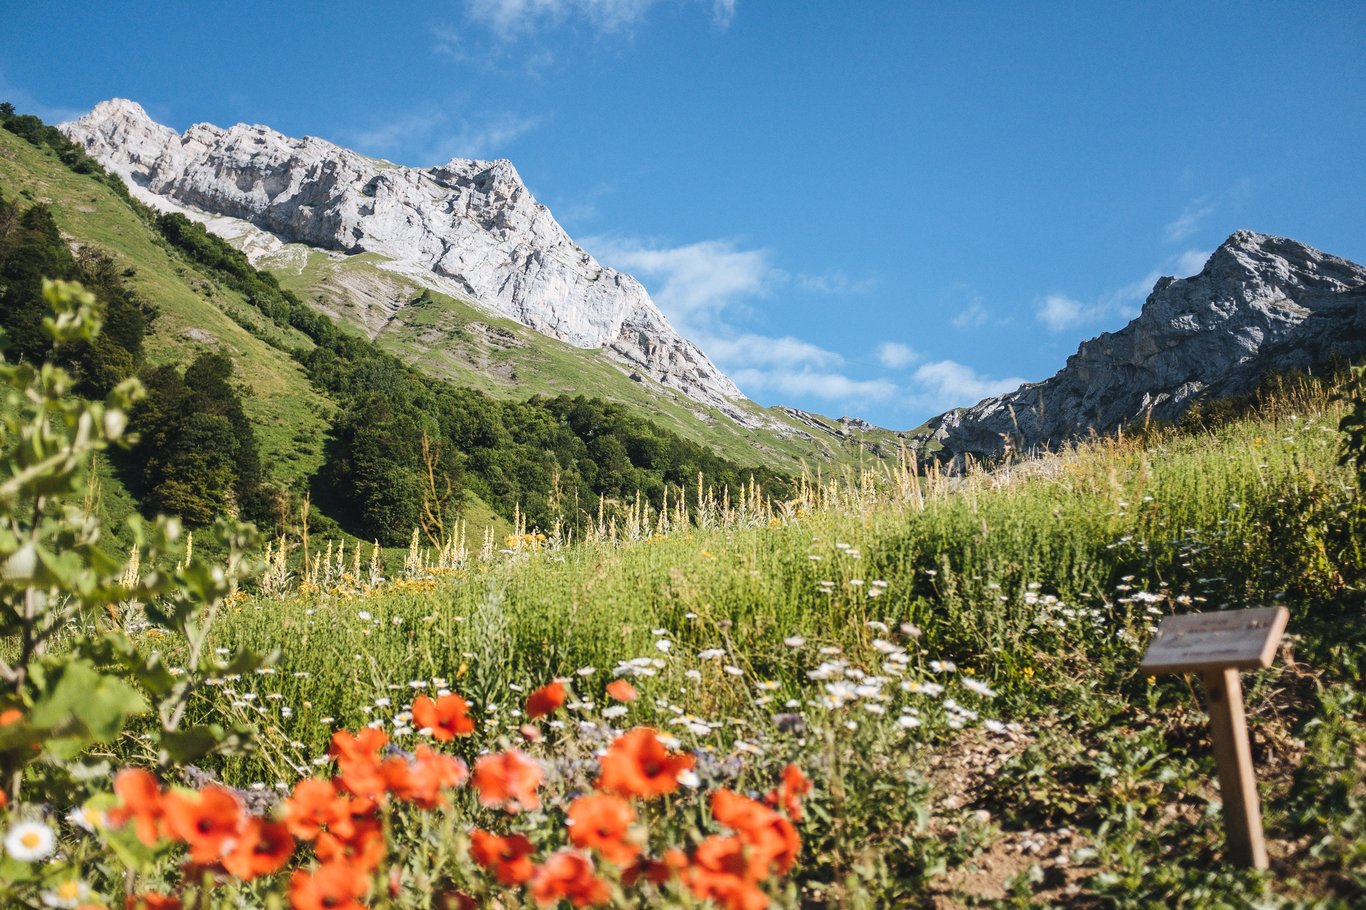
(364, 848)
(429, 774)
(210, 821)
(637, 764)
(568, 875)
(332, 886)
(447, 717)
(508, 858)
(720, 872)
(621, 690)
(601, 822)
(508, 779)
(545, 700)
(10, 716)
(790, 791)
(151, 901)
(139, 801)
(364, 745)
(358, 761)
(316, 806)
(263, 849)
(772, 841)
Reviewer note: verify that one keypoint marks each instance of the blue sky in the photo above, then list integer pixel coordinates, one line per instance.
(880, 208)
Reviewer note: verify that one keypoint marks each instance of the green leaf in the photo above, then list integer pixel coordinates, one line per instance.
(81, 705)
(193, 743)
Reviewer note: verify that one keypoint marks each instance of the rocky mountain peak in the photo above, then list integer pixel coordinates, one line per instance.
(1261, 304)
(469, 228)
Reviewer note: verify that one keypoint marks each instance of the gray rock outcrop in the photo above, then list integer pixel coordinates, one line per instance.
(468, 228)
(1261, 305)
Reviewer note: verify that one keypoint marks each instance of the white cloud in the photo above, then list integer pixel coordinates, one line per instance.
(704, 287)
(511, 19)
(508, 18)
(895, 356)
(434, 137)
(761, 350)
(1191, 262)
(946, 384)
(694, 283)
(1189, 220)
(834, 282)
(970, 317)
(1059, 312)
(815, 384)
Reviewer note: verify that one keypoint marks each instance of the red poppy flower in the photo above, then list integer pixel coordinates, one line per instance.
(139, 801)
(621, 690)
(316, 806)
(601, 822)
(545, 700)
(363, 849)
(508, 779)
(508, 858)
(209, 821)
(332, 886)
(772, 841)
(263, 849)
(789, 793)
(720, 872)
(637, 764)
(447, 717)
(364, 745)
(568, 875)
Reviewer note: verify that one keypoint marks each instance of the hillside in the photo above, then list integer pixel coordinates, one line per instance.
(313, 389)
(452, 339)
(519, 308)
(196, 311)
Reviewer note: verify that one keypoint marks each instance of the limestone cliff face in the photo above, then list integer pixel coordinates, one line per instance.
(1261, 305)
(470, 228)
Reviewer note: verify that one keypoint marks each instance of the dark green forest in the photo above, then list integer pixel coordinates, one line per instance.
(404, 444)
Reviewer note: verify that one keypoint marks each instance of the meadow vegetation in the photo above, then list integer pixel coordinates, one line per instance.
(897, 689)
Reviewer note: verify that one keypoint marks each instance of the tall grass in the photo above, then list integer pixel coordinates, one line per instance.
(1028, 575)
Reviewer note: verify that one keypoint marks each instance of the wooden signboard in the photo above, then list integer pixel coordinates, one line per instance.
(1217, 646)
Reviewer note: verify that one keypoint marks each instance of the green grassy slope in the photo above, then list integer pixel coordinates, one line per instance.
(455, 340)
(195, 312)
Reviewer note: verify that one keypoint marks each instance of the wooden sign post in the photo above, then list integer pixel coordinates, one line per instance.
(1217, 646)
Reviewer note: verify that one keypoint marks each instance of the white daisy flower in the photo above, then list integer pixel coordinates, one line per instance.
(30, 841)
(70, 893)
(981, 688)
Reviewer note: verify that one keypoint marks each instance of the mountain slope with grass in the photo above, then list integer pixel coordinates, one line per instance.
(508, 303)
(380, 448)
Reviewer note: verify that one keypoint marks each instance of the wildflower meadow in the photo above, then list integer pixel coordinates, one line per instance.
(895, 688)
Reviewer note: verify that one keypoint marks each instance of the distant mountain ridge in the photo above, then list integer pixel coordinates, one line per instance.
(1261, 304)
(469, 228)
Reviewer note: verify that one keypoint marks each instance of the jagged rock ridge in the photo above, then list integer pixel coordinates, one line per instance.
(1261, 305)
(470, 228)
